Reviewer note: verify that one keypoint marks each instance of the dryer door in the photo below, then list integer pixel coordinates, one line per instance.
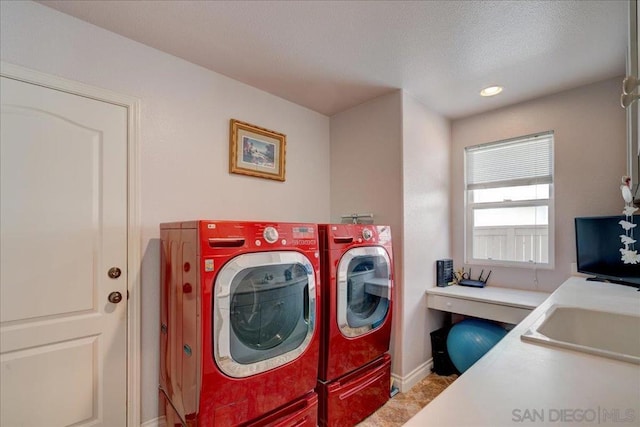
(364, 290)
(265, 305)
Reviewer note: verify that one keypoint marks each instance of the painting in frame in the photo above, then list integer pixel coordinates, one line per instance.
(256, 151)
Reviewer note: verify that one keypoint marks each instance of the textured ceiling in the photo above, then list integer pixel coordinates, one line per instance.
(331, 55)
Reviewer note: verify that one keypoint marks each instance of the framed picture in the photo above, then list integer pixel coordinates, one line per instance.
(256, 151)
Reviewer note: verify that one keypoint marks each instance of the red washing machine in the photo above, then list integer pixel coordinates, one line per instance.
(354, 376)
(239, 337)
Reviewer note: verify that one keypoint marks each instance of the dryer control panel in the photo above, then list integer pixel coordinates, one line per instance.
(346, 234)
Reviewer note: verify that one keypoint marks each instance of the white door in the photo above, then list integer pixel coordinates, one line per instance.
(63, 224)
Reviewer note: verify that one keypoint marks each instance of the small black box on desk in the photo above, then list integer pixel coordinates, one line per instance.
(444, 272)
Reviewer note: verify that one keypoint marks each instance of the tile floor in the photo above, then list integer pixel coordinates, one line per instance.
(403, 406)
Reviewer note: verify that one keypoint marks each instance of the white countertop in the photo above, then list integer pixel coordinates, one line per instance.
(521, 383)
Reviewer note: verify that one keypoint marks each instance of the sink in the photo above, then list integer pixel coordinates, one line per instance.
(602, 333)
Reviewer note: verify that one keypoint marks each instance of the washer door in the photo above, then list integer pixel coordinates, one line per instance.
(264, 311)
(364, 290)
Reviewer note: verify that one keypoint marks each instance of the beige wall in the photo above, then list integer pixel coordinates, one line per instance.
(366, 160)
(366, 177)
(390, 157)
(185, 112)
(590, 159)
(425, 168)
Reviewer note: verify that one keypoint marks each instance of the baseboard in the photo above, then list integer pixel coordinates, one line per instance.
(405, 383)
(156, 422)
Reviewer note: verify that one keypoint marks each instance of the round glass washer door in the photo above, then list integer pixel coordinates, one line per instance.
(364, 290)
(264, 311)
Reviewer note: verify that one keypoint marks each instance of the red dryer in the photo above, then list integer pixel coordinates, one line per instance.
(354, 376)
(239, 336)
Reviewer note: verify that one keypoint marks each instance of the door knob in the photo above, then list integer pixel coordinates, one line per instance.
(115, 297)
(114, 272)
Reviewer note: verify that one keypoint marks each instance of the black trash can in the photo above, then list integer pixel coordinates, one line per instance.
(442, 364)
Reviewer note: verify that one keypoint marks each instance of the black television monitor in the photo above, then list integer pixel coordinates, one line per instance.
(598, 247)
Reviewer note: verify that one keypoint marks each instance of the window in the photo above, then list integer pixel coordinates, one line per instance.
(509, 202)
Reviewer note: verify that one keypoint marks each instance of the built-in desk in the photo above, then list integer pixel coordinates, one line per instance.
(491, 302)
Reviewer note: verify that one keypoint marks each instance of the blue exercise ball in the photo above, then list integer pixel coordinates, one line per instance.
(470, 339)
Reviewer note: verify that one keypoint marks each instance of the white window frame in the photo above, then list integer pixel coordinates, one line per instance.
(471, 206)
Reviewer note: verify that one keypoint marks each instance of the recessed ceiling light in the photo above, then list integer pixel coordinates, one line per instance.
(491, 91)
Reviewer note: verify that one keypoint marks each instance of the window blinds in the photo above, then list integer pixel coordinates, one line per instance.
(522, 161)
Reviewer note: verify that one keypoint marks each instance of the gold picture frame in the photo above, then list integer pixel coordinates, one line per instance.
(256, 151)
